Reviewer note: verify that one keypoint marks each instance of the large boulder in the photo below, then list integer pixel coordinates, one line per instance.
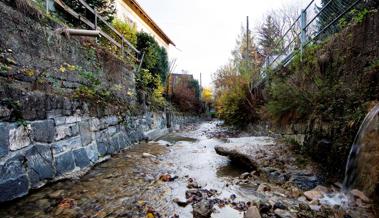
(244, 150)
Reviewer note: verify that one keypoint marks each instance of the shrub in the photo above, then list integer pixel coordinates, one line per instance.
(186, 95)
(156, 59)
(129, 31)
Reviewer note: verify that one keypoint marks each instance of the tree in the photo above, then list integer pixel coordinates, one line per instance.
(246, 53)
(270, 37)
(206, 95)
(186, 95)
(156, 59)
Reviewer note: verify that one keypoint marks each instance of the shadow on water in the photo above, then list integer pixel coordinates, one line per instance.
(231, 169)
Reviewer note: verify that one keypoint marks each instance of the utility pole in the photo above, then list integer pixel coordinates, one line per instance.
(200, 81)
(247, 37)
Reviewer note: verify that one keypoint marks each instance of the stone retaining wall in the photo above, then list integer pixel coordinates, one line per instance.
(37, 152)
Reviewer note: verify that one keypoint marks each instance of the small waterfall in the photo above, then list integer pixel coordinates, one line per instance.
(362, 169)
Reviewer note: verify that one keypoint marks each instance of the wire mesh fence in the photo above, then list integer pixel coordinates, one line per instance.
(315, 22)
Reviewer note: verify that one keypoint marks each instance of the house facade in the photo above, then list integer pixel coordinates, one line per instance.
(131, 11)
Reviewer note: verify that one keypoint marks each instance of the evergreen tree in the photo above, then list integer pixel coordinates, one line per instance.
(246, 57)
(156, 59)
(270, 37)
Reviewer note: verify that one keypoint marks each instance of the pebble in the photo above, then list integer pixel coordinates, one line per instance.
(283, 213)
(279, 205)
(252, 212)
(147, 155)
(56, 194)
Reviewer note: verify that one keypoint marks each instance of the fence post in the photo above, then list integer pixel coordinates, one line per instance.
(47, 6)
(140, 63)
(122, 46)
(303, 35)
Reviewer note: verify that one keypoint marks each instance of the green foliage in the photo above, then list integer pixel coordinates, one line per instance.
(105, 8)
(93, 89)
(231, 106)
(129, 31)
(359, 16)
(152, 86)
(156, 59)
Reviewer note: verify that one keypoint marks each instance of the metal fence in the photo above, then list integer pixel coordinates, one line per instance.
(101, 28)
(312, 25)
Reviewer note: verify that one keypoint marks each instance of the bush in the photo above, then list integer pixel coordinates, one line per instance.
(151, 88)
(232, 106)
(187, 96)
(156, 59)
(129, 31)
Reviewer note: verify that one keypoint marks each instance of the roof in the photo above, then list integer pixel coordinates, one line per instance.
(133, 4)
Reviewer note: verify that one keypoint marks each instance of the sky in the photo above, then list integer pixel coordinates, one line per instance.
(205, 31)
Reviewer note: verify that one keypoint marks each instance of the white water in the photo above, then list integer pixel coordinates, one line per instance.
(352, 165)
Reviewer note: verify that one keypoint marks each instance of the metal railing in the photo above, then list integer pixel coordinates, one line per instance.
(312, 25)
(126, 48)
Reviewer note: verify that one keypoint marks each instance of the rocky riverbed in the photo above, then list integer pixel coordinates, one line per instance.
(204, 170)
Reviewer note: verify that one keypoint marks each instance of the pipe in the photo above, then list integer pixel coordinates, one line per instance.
(79, 32)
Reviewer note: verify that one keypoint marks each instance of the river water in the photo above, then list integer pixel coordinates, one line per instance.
(130, 183)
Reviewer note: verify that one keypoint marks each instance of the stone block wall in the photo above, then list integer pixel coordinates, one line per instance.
(40, 151)
(46, 132)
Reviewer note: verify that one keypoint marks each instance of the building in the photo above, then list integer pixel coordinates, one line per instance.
(130, 11)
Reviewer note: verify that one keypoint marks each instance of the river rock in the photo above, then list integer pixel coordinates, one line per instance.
(316, 193)
(262, 188)
(279, 205)
(264, 207)
(244, 150)
(147, 155)
(245, 175)
(358, 194)
(283, 213)
(202, 209)
(252, 212)
(304, 181)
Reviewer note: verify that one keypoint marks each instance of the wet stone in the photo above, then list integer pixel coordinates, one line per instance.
(92, 152)
(85, 132)
(101, 148)
(14, 188)
(81, 158)
(4, 139)
(202, 209)
(64, 163)
(43, 131)
(40, 164)
(13, 181)
(304, 181)
(113, 146)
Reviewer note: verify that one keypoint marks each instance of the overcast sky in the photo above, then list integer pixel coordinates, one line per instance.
(205, 31)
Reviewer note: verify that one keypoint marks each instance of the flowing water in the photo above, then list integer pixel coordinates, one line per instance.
(129, 184)
(362, 169)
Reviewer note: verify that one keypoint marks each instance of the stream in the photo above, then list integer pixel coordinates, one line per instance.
(165, 179)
